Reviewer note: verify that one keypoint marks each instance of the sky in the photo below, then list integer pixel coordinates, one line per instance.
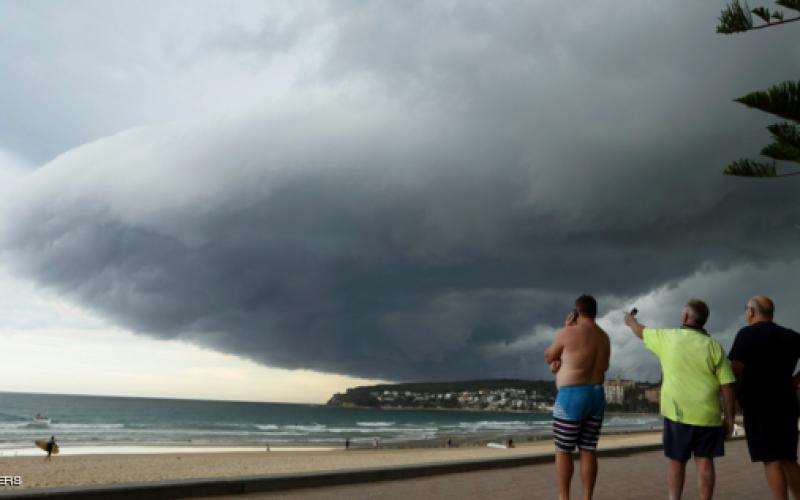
(276, 201)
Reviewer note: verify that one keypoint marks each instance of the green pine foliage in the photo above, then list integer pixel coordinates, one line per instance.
(737, 18)
(763, 13)
(789, 4)
(786, 133)
(782, 100)
(750, 168)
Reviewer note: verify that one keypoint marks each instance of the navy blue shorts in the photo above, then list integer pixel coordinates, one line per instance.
(771, 434)
(681, 441)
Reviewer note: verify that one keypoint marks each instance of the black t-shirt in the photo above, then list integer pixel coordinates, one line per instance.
(769, 353)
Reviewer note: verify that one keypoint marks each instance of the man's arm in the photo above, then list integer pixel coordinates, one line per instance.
(738, 370)
(553, 353)
(607, 353)
(729, 408)
(796, 379)
(635, 326)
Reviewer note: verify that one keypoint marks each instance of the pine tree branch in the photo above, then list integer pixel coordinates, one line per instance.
(750, 168)
(786, 133)
(736, 18)
(781, 151)
(763, 13)
(789, 4)
(776, 23)
(755, 169)
(782, 100)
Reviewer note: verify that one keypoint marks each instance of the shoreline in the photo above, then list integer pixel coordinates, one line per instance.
(458, 440)
(437, 408)
(109, 469)
(154, 449)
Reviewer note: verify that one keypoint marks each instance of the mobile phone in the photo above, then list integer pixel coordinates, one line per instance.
(574, 316)
(634, 311)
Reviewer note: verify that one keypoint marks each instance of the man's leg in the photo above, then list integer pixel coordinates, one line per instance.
(587, 442)
(791, 470)
(565, 434)
(564, 468)
(705, 477)
(588, 472)
(775, 479)
(675, 477)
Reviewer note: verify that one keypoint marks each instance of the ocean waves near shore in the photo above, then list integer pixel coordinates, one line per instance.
(112, 421)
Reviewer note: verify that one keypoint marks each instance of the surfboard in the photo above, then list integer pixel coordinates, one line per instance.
(497, 446)
(40, 443)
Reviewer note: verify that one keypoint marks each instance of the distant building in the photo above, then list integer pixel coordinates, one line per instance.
(615, 389)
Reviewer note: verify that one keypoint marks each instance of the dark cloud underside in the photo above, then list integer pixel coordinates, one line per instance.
(467, 171)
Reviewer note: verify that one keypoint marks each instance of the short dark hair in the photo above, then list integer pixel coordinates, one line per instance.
(698, 312)
(586, 306)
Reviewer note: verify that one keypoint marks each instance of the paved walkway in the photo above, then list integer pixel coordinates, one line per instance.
(636, 477)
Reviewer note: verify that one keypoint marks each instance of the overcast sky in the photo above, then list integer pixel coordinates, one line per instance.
(317, 194)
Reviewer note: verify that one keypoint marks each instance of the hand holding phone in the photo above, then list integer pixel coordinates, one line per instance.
(630, 317)
(572, 318)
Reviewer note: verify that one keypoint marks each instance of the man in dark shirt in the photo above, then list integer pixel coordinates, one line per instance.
(763, 357)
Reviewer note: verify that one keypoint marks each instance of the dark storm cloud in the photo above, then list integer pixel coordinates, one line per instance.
(465, 171)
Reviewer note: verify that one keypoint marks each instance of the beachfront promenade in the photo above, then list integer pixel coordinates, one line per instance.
(628, 469)
(636, 477)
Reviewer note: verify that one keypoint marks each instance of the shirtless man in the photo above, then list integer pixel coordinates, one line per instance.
(579, 357)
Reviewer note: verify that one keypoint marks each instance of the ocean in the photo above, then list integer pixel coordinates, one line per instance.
(98, 423)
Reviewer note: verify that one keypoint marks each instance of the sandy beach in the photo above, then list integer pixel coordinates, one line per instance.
(114, 469)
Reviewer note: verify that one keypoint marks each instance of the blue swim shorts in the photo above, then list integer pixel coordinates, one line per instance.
(578, 417)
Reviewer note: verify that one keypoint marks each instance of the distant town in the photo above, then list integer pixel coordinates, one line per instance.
(494, 395)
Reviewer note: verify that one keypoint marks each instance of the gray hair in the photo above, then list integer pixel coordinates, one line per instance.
(698, 312)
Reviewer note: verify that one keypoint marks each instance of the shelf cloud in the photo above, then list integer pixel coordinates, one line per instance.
(429, 199)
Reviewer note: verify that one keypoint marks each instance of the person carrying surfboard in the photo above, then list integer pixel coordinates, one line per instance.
(51, 443)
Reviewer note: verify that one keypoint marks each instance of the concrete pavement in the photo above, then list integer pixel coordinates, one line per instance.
(636, 477)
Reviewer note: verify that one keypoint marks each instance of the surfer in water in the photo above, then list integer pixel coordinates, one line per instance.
(51, 443)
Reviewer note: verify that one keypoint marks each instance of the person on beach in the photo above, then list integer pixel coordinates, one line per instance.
(579, 357)
(763, 357)
(695, 371)
(51, 443)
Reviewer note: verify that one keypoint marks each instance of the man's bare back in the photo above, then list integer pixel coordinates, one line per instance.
(583, 350)
(579, 357)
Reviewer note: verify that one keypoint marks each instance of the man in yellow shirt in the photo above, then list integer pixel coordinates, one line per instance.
(695, 370)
